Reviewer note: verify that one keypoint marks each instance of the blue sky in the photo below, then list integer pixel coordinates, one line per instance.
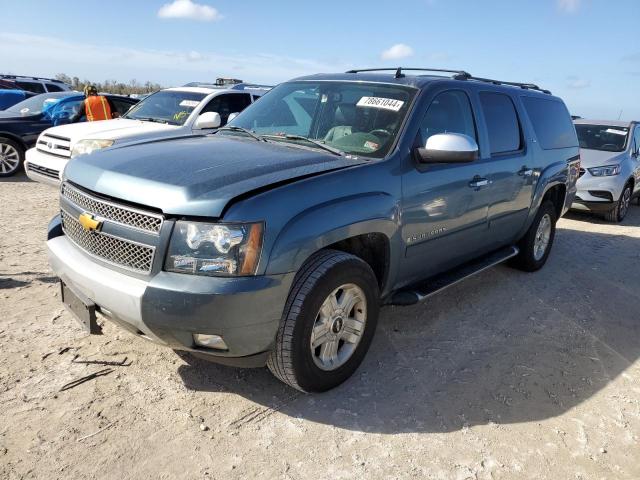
(586, 51)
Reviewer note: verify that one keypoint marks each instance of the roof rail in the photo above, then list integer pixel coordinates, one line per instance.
(245, 86)
(526, 86)
(15, 77)
(457, 75)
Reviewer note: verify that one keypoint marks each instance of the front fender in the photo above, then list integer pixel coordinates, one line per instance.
(322, 225)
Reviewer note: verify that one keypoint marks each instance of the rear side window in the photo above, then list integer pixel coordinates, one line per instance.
(31, 86)
(551, 122)
(502, 122)
(53, 88)
(637, 138)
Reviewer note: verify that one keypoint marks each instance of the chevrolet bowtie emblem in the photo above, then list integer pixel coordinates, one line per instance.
(89, 223)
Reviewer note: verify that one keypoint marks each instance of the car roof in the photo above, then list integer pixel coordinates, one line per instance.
(422, 81)
(609, 123)
(203, 90)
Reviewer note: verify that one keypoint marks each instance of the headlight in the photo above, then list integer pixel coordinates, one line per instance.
(606, 171)
(215, 249)
(88, 146)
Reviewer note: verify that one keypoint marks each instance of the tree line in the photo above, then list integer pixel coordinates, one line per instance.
(110, 86)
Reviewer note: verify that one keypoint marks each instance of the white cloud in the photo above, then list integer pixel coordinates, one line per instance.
(569, 6)
(188, 9)
(397, 51)
(577, 83)
(48, 56)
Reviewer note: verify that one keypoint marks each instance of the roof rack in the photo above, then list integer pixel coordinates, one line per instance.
(526, 86)
(457, 75)
(15, 77)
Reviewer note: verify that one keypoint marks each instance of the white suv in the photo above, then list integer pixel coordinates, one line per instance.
(173, 112)
(610, 161)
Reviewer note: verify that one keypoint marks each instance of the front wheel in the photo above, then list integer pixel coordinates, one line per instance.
(617, 213)
(536, 244)
(328, 322)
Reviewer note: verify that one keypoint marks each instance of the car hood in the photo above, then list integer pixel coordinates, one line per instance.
(6, 116)
(197, 176)
(598, 158)
(119, 129)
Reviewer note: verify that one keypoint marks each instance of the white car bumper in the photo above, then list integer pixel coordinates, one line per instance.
(44, 168)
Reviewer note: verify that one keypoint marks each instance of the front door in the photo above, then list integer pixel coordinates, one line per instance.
(444, 210)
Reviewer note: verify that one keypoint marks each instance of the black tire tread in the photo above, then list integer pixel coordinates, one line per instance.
(524, 260)
(280, 361)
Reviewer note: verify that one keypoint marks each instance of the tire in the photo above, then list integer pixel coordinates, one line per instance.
(617, 213)
(531, 258)
(11, 157)
(307, 315)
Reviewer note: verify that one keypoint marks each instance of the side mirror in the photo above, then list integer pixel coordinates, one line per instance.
(232, 116)
(448, 148)
(207, 120)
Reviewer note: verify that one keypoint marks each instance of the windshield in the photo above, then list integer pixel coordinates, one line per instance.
(39, 103)
(356, 118)
(602, 137)
(166, 106)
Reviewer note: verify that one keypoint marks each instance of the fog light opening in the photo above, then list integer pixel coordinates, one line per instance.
(209, 341)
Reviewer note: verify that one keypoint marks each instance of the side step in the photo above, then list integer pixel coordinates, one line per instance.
(421, 291)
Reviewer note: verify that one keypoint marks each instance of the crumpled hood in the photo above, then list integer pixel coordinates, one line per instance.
(598, 158)
(197, 176)
(119, 129)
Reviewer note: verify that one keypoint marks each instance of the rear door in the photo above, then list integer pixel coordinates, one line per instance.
(511, 167)
(444, 211)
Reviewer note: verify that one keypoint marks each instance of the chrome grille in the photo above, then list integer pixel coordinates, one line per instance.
(127, 216)
(114, 250)
(54, 145)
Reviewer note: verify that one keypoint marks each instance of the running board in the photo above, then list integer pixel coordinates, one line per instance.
(418, 292)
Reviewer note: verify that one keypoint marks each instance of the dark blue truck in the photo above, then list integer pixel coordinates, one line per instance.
(276, 240)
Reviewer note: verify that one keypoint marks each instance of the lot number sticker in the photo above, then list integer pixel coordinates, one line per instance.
(615, 132)
(189, 103)
(383, 103)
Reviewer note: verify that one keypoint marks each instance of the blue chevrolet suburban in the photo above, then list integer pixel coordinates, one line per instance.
(276, 240)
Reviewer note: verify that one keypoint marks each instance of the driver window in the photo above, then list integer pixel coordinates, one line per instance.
(450, 112)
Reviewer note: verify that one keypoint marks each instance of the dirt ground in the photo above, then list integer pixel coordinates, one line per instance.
(506, 376)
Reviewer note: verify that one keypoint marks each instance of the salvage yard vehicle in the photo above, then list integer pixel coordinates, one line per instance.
(610, 173)
(276, 240)
(21, 124)
(169, 113)
(36, 84)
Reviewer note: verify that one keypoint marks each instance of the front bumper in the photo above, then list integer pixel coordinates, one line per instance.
(169, 307)
(44, 168)
(598, 194)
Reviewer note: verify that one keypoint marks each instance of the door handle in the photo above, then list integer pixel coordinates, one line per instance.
(525, 172)
(478, 182)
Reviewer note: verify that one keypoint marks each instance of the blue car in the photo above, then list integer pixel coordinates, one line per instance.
(21, 124)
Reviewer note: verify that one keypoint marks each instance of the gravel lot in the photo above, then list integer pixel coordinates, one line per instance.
(507, 375)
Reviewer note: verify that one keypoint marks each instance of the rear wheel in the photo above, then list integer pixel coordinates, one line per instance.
(328, 322)
(536, 245)
(11, 157)
(617, 213)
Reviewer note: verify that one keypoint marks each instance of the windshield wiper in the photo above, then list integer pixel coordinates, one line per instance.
(149, 119)
(317, 143)
(233, 128)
